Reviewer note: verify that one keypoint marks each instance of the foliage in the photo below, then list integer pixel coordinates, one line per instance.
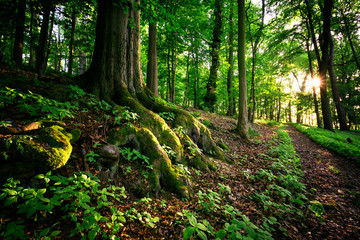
(80, 197)
(345, 143)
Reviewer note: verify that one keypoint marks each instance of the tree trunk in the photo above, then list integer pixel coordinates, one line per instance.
(173, 69)
(348, 35)
(42, 46)
(242, 125)
(83, 62)
(187, 81)
(323, 66)
(119, 81)
(210, 97)
(290, 118)
(318, 121)
(72, 40)
(196, 77)
(50, 36)
(19, 33)
(33, 22)
(231, 98)
(335, 91)
(152, 67)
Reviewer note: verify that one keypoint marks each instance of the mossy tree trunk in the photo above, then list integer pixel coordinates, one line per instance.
(115, 75)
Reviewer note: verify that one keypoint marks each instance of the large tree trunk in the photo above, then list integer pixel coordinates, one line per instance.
(230, 85)
(42, 46)
(210, 97)
(323, 66)
(119, 81)
(242, 125)
(152, 67)
(19, 33)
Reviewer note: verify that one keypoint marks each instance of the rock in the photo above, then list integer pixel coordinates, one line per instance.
(109, 151)
(32, 154)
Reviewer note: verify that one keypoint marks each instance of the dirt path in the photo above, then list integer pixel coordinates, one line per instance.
(337, 184)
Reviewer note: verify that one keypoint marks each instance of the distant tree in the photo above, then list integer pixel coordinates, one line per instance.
(242, 125)
(19, 32)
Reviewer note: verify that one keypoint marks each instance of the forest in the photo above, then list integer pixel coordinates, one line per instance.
(166, 119)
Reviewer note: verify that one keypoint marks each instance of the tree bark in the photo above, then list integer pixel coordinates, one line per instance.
(187, 81)
(152, 67)
(323, 66)
(33, 22)
(196, 77)
(335, 91)
(210, 97)
(318, 121)
(19, 33)
(42, 46)
(173, 69)
(72, 40)
(242, 125)
(231, 98)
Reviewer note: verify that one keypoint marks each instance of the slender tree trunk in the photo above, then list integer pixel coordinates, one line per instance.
(83, 62)
(196, 77)
(318, 121)
(279, 108)
(242, 125)
(42, 46)
(168, 85)
(173, 69)
(50, 36)
(348, 35)
(328, 4)
(152, 67)
(72, 41)
(210, 97)
(33, 20)
(335, 91)
(290, 118)
(187, 80)
(231, 98)
(19, 33)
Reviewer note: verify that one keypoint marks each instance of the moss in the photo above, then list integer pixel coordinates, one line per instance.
(75, 135)
(223, 146)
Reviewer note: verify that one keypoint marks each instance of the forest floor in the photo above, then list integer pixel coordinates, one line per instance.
(329, 179)
(334, 179)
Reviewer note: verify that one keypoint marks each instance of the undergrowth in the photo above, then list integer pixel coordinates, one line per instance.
(345, 143)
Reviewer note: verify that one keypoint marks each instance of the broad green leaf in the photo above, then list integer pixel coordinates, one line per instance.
(221, 234)
(192, 221)
(10, 201)
(189, 231)
(202, 235)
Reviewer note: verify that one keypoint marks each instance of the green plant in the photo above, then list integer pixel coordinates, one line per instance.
(167, 116)
(210, 200)
(183, 169)
(224, 189)
(91, 157)
(195, 227)
(171, 153)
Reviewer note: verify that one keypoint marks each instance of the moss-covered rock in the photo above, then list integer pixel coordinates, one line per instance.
(32, 154)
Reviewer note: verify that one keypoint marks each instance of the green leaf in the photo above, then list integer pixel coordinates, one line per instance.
(92, 234)
(10, 201)
(41, 191)
(201, 226)
(221, 234)
(189, 231)
(44, 232)
(192, 221)
(202, 235)
(55, 233)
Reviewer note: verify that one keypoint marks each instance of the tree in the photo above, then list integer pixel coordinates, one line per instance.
(230, 85)
(41, 60)
(242, 125)
(152, 68)
(19, 33)
(119, 81)
(210, 97)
